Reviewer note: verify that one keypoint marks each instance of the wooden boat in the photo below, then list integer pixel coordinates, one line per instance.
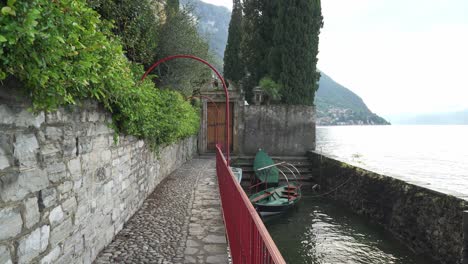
(273, 199)
(276, 200)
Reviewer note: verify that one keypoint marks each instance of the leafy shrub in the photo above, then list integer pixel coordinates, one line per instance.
(271, 88)
(63, 52)
(160, 116)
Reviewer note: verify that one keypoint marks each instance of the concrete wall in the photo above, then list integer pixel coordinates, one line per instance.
(427, 221)
(65, 188)
(281, 130)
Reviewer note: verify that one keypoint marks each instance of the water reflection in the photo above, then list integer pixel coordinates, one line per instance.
(320, 231)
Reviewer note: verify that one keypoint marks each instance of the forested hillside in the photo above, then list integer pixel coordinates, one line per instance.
(337, 105)
(213, 23)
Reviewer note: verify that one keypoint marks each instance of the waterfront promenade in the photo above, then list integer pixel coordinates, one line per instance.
(180, 222)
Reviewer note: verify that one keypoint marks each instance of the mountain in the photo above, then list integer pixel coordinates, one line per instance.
(213, 23)
(450, 118)
(337, 105)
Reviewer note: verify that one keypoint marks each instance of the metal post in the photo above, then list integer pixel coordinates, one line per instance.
(465, 238)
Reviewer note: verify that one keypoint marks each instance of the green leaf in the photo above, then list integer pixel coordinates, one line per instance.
(10, 3)
(6, 10)
(2, 39)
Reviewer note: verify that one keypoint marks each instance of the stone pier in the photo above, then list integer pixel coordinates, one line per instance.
(180, 222)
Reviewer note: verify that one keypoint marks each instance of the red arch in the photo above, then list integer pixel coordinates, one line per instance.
(226, 92)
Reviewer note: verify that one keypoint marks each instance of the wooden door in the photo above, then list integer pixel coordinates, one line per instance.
(216, 121)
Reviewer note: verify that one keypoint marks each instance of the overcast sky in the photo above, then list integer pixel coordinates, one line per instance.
(400, 56)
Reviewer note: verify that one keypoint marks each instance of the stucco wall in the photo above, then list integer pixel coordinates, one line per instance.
(65, 187)
(427, 221)
(281, 130)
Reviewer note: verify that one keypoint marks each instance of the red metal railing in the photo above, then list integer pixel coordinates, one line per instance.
(248, 238)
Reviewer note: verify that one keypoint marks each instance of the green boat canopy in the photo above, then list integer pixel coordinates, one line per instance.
(269, 175)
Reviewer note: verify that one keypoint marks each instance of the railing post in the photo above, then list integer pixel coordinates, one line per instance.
(465, 238)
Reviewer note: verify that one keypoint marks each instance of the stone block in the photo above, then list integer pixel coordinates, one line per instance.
(7, 116)
(50, 151)
(15, 186)
(10, 222)
(93, 116)
(31, 212)
(82, 212)
(69, 147)
(54, 133)
(65, 187)
(26, 119)
(77, 185)
(61, 232)
(102, 174)
(56, 216)
(55, 117)
(25, 149)
(69, 205)
(48, 197)
(33, 244)
(106, 156)
(57, 172)
(74, 167)
(53, 255)
(85, 145)
(101, 142)
(5, 256)
(4, 159)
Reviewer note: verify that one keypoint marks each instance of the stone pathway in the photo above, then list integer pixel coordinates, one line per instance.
(180, 222)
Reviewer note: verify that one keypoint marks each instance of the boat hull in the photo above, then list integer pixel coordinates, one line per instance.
(276, 200)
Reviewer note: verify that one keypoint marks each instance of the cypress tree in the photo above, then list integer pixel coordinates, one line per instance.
(293, 57)
(258, 27)
(233, 66)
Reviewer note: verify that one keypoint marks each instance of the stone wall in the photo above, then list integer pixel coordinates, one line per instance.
(65, 187)
(427, 221)
(281, 130)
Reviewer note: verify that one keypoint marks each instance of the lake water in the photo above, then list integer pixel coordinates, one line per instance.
(435, 157)
(322, 232)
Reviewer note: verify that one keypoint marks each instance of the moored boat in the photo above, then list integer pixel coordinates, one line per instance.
(274, 199)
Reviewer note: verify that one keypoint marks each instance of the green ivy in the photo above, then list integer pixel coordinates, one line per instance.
(63, 53)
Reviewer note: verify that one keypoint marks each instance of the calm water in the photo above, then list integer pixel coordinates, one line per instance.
(321, 232)
(432, 156)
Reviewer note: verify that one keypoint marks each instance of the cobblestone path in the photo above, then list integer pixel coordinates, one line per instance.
(180, 222)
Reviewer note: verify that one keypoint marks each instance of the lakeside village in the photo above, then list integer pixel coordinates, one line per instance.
(110, 152)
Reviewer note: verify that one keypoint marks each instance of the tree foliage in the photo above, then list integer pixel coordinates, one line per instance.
(159, 30)
(62, 52)
(233, 66)
(280, 39)
(181, 37)
(293, 57)
(258, 27)
(136, 22)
